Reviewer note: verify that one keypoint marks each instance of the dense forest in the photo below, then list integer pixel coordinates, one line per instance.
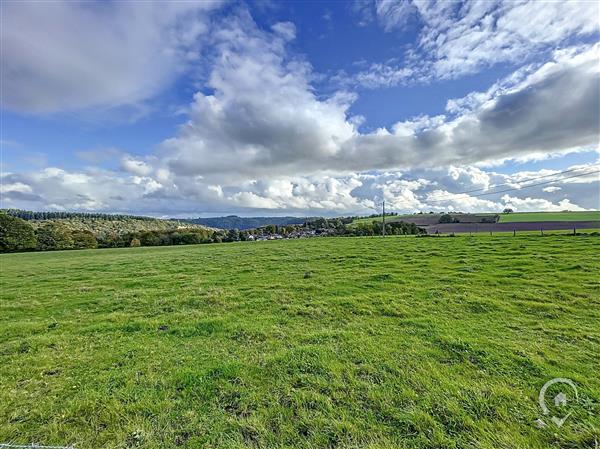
(101, 225)
(79, 231)
(36, 215)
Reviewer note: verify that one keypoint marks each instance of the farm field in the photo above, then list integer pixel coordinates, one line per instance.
(518, 222)
(387, 218)
(400, 342)
(425, 219)
(515, 217)
(519, 227)
(519, 217)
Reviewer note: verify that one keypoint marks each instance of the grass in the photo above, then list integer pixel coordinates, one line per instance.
(519, 217)
(515, 217)
(336, 343)
(388, 218)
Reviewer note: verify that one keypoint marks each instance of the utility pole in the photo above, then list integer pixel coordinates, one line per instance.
(383, 230)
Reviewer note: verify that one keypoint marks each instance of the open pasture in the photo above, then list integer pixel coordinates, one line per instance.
(328, 342)
(520, 217)
(519, 222)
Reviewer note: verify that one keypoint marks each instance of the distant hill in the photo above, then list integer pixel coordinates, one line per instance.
(100, 224)
(235, 222)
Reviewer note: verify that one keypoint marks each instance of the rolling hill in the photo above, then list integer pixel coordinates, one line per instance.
(101, 224)
(235, 222)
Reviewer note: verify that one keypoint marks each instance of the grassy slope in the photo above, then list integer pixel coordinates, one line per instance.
(512, 218)
(549, 216)
(397, 342)
(372, 219)
(390, 218)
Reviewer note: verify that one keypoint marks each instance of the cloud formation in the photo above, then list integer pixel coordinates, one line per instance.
(263, 119)
(260, 138)
(460, 38)
(64, 55)
(262, 115)
(354, 193)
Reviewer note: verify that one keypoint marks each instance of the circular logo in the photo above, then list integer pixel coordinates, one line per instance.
(560, 400)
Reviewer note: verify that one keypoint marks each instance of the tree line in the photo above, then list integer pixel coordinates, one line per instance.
(393, 228)
(17, 234)
(33, 215)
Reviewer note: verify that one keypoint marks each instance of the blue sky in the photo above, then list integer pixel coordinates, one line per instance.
(184, 108)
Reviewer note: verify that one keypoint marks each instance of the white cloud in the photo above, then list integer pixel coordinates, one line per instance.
(402, 194)
(394, 14)
(263, 119)
(444, 200)
(252, 200)
(457, 39)
(65, 55)
(287, 30)
(554, 109)
(135, 166)
(354, 193)
(537, 204)
(382, 75)
(324, 194)
(15, 187)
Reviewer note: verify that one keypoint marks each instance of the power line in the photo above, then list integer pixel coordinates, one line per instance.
(383, 228)
(514, 188)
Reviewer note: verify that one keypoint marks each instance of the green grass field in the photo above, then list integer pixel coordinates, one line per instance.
(319, 343)
(379, 218)
(520, 217)
(516, 217)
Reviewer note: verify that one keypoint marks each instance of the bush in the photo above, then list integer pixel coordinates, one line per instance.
(191, 238)
(135, 243)
(150, 238)
(15, 234)
(113, 240)
(54, 236)
(84, 240)
(233, 235)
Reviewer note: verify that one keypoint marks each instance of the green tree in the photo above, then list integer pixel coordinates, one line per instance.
(112, 240)
(270, 229)
(84, 240)
(15, 234)
(53, 236)
(446, 218)
(191, 238)
(150, 238)
(233, 235)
